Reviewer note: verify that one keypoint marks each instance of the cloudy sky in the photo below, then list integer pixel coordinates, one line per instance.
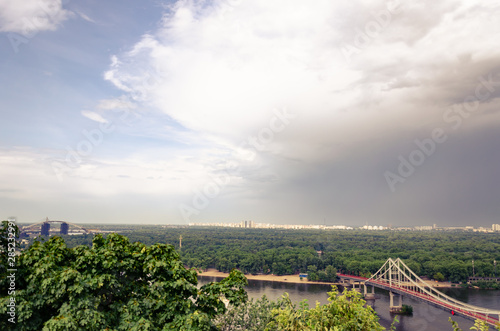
(282, 111)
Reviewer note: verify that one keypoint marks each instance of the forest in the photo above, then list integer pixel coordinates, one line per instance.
(438, 255)
(114, 282)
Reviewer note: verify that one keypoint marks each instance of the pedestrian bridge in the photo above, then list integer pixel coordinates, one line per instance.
(395, 277)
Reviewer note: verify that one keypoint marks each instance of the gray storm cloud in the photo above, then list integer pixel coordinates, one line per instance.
(365, 81)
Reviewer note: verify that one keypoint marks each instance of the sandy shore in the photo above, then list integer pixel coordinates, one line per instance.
(293, 278)
(272, 278)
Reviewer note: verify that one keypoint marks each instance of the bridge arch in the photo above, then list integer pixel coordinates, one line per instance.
(44, 227)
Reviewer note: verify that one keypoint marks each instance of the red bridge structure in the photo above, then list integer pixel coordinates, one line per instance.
(395, 277)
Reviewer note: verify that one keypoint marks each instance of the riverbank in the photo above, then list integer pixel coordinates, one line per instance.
(271, 278)
(298, 280)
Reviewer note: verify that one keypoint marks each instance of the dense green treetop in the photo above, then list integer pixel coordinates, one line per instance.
(358, 252)
(346, 311)
(113, 285)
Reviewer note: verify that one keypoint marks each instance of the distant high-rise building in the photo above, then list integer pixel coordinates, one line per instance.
(45, 229)
(496, 227)
(247, 224)
(64, 228)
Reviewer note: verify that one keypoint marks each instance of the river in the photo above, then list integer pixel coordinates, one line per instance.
(425, 317)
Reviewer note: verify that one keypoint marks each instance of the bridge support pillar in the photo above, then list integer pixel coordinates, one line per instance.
(369, 296)
(357, 288)
(395, 308)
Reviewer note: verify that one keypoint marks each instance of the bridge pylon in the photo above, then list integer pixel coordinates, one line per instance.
(395, 277)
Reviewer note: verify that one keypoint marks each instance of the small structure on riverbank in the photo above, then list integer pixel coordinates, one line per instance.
(483, 279)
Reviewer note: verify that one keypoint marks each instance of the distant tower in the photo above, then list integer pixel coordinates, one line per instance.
(45, 229)
(180, 242)
(64, 228)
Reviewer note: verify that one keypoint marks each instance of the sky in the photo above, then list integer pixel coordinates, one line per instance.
(294, 112)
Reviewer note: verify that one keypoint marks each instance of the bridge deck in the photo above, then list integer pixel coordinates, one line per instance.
(426, 298)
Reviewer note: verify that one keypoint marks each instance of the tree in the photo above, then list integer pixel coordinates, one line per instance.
(312, 273)
(343, 312)
(114, 285)
(331, 273)
(438, 276)
(252, 315)
(478, 325)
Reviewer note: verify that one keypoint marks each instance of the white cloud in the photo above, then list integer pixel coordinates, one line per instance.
(28, 17)
(97, 188)
(224, 71)
(94, 116)
(222, 67)
(116, 103)
(43, 175)
(85, 17)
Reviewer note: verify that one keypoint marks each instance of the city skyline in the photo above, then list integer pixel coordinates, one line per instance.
(40, 224)
(175, 112)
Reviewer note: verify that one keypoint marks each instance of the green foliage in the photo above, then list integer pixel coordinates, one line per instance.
(487, 284)
(343, 312)
(454, 325)
(407, 310)
(393, 324)
(356, 252)
(327, 275)
(114, 285)
(252, 315)
(312, 273)
(438, 276)
(280, 252)
(478, 325)
(331, 274)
